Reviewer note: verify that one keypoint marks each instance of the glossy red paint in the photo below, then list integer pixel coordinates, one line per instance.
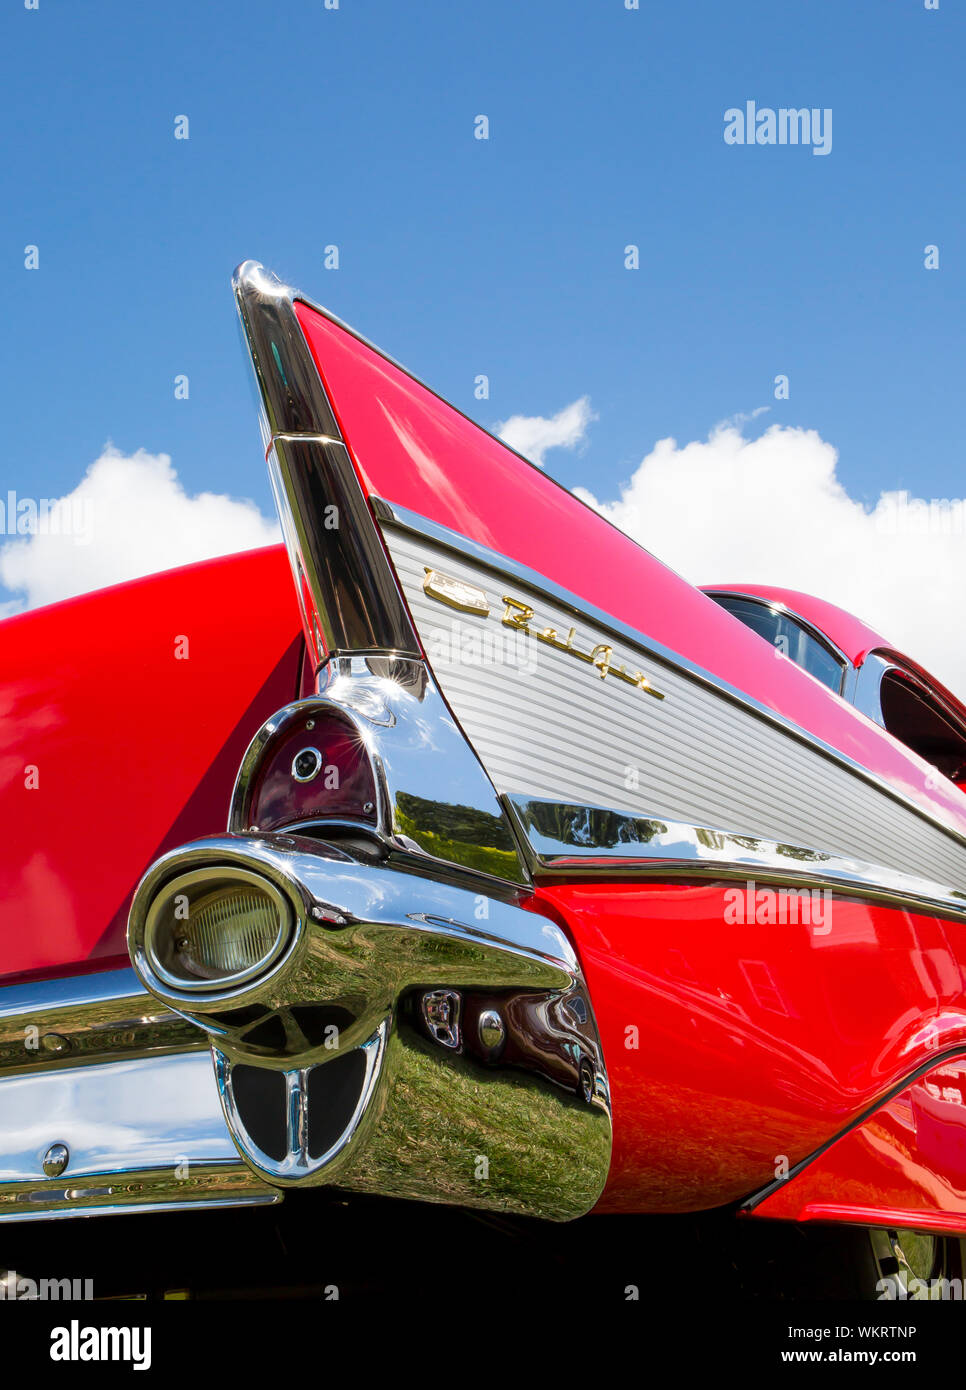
(114, 749)
(905, 1166)
(412, 448)
(752, 1041)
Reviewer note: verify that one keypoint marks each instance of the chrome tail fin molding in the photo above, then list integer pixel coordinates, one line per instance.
(347, 590)
(412, 1038)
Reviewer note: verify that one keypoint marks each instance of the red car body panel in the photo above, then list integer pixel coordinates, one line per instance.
(114, 748)
(903, 1167)
(769, 1039)
(414, 449)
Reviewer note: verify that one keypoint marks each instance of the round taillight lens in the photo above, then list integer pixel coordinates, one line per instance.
(211, 929)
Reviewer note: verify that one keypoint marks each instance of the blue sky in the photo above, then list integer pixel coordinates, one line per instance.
(355, 126)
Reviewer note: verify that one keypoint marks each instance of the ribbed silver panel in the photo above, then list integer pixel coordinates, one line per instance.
(546, 725)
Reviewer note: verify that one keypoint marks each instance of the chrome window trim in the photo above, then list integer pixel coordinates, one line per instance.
(409, 732)
(887, 666)
(671, 848)
(345, 569)
(780, 609)
(389, 513)
(865, 692)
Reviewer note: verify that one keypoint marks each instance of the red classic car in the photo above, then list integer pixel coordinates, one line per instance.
(496, 866)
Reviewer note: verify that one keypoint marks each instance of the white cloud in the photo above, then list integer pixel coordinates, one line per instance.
(772, 510)
(128, 516)
(533, 435)
(727, 509)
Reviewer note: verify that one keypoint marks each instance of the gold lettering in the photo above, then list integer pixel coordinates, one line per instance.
(517, 614)
(600, 657)
(520, 615)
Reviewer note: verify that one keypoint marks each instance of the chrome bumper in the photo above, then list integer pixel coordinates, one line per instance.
(144, 1134)
(416, 1039)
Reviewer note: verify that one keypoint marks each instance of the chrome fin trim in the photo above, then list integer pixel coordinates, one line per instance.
(347, 591)
(578, 841)
(434, 801)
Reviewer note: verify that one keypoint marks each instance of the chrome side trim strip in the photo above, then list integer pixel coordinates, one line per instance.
(73, 991)
(112, 1199)
(346, 587)
(501, 566)
(593, 841)
(756, 1198)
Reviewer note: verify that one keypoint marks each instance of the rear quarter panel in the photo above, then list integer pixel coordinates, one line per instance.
(123, 717)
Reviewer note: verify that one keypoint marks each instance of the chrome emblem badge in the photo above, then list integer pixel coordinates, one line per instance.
(454, 592)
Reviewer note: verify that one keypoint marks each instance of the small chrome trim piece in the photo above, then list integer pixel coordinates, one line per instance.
(347, 591)
(568, 841)
(55, 1160)
(392, 514)
(343, 1012)
(492, 1029)
(434, 800)
(441, 1015)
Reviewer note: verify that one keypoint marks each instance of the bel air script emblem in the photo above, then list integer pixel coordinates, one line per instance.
(456, 593)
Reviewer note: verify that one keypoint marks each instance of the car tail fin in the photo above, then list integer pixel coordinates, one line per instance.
(348, 593)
